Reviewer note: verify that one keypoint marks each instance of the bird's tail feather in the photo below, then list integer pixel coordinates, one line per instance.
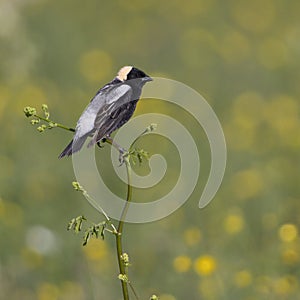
(73, 147)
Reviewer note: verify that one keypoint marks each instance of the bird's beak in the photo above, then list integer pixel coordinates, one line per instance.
(147, 78)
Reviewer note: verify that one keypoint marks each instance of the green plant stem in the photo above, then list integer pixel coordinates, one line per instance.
(120, 230)
(122, 267)
(56, 124)
(91, 200)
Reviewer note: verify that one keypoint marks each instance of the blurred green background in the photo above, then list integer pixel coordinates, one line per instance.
(243, 57)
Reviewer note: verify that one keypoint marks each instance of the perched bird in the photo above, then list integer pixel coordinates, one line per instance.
(112, 107)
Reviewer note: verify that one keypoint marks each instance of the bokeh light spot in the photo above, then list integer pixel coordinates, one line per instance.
(208, 289)
(194, 7)
(11, 214)
(282, 115)
(182, 263)
(246, 117)
(196, 44)
(272, 53)
(30, 94)
(263, 285)
(243, 279)
(96, 65)
(48, 291)
(41, 240)
(205, 265)
(234, 223)
(247, 184)
(71, 290)
(192, 236)
(290, 256)
(285, 285)
(288, 232)
(249, 106)
(166, 297)
(96, 250)
(256, 16)
(31, 258)
(234, 47)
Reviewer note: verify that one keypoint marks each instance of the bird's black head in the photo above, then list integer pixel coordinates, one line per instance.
(130, 73)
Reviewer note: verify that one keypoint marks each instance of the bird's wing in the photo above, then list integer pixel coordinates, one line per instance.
(112, 112)
(116, 98)
(100, 106)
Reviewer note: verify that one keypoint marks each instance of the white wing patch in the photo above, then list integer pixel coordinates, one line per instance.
(117, 93)
(101, 103)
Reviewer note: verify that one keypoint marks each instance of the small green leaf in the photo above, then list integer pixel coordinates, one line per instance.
(102, 231)
(71, 224)
(76, 224)
(77, 186)
(86, 238)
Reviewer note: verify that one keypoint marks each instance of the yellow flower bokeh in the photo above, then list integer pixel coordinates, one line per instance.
(282, 115)
(96, 65)
(96, 250)
(290, 256)
(31, 258)
(195, 7)
(48, 291)
(243, 279)
(182, 263)
(242, 129)
(286, 285)
(66, 290)
(272, 53)
(191, 40)
(166, 297)
(264, 285)
(247, 184)
(30, 94)
(255, 16)
(234, 223)
(208, 289)
(249, 107)
(71, 290)
(234, 47)
(192, 236)
(11, 214)
(288, 232)
(205, 265)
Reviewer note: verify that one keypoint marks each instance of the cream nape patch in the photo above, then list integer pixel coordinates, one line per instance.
(122, 74)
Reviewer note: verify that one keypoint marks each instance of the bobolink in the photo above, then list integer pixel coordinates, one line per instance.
(111, 108)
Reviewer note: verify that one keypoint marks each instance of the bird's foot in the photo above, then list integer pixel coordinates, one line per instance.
(123, 155)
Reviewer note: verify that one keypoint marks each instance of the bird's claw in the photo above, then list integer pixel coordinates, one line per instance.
(123, 155)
